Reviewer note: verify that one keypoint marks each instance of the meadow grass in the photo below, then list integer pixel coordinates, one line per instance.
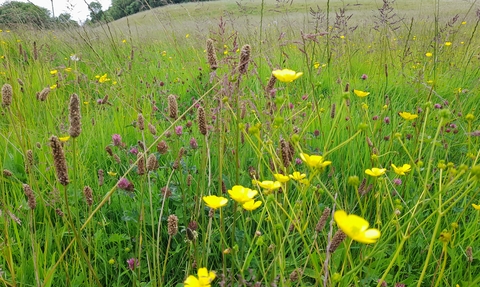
(160, 130)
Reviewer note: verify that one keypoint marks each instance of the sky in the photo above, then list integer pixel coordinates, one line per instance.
(77, 8)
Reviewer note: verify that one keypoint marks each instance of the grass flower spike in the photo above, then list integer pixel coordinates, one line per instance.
(375, 171)
(407, 116)
(251, 205)
(401, 170)
(314, 161)
(215, 202)
(204, 279)
(361, 94)
(356, 227)
(286, 75)
(242, 194)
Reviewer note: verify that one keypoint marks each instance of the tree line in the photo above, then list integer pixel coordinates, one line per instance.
(14, 13)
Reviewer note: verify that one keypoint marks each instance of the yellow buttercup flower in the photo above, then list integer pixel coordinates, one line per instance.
(242, 194)
(204, 279)
(251, 205)
(53, 87)
(124, 41)
(361, 94)
(448, 43)
(111, 173)
(215, 202)
(408, 116)
(356, 227)
(281, 178)
(103, 79)
(297, 175)
(477, 207)
(375, 171)
(428, 54)
(401, 170)
(53, 72)
(64, 139)
(268, 184)
(314, 161)
(286, 75)
(68, 70)
(316, 65)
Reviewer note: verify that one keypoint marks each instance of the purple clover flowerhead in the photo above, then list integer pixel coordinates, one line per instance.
(397, 181)
(316, 133)
(437, 106)
(375, 118)
(304, 97)
(117, 139)
(291, 106)
(179, 130)
(193, 143)
(132, 263)
(134, 150)
(124, 184)
(298, 161)
(386, 120)
(419, 110)
(364, 77)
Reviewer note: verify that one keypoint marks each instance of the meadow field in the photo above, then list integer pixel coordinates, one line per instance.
(249, 143)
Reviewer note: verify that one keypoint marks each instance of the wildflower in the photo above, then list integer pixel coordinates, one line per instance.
(124, 41)
(242, 194)
(268, 184)
(407, 116)
(356, 227)
(361, 94)
(188, 35)
(286, 75)
(251, 205)
(397, 181)
(297, 175)
(448, 43)
(124, 184)
(53, 72)
(111, 261)
(204, 279)
(375, 171)
(117, 139)
(64, 139)
(281, 178)
(74, 58)
(402, 169)
(111, 173)
(103, 79)
(316, 65)
(214, 201)
(477, 207)
(193, 143)
(68, 70)
(428, 54)
(314, 161)
(179, 130)
(132, 263)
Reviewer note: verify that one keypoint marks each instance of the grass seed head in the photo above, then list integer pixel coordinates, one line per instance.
(59, 161)
(7, 93)
(74, 116)
(211, 55)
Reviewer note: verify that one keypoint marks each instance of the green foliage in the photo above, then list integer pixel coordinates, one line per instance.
(21, 13)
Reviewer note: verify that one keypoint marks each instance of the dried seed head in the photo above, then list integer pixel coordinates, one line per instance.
(285, 152)
(88, 193)
(152, 129)
(202, 121)
(74, 116)
(244, 59)
(29, 161)
(270, 84)
(172, 223)
(152, 162)
(32, 203)
(140, 163)
(7, 93)
(20, 82)
(101, 178)
(108, 149)
(162, 147)
(189, 180)
(211, 55)
(7, 173)
(172, 107)
(42, 95)
(294, 276)
(140, 122)
(336, 240)
(332, 111)
(469, 253)
(117, 159)
(323, 220)
(59, 160)
(59, 212)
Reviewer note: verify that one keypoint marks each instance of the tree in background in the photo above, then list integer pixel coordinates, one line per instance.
(15, 13)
